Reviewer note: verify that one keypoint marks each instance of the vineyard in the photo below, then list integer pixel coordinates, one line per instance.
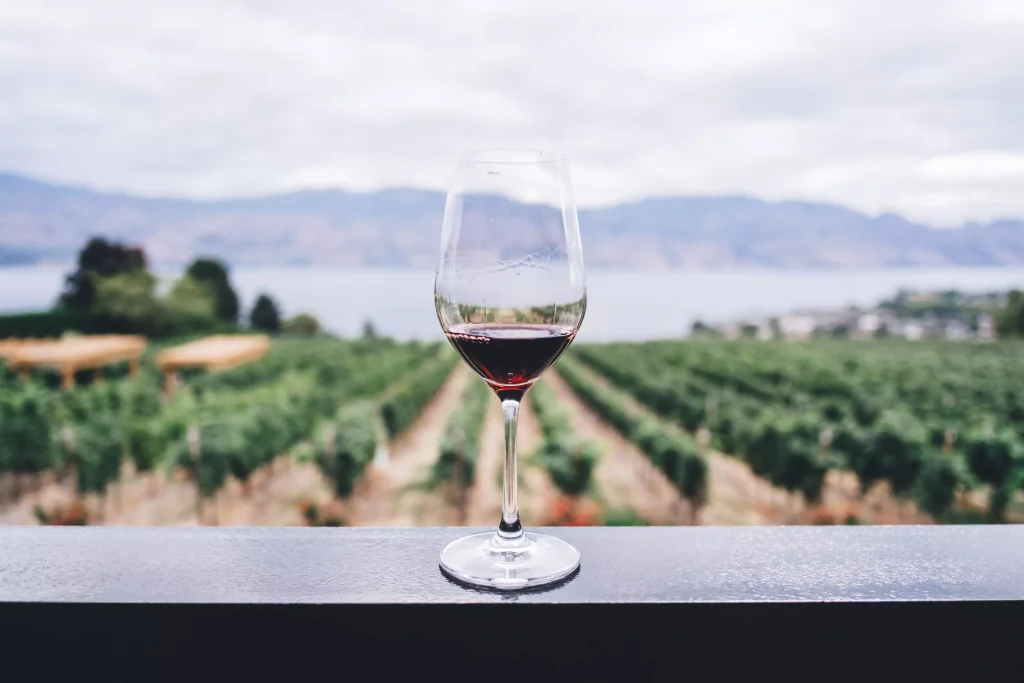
(324, 431)
(938, 426)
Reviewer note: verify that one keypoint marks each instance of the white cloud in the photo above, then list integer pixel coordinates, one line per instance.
(911, 106)
(991, 166)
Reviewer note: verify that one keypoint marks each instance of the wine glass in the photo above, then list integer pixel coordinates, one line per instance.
(510, 294)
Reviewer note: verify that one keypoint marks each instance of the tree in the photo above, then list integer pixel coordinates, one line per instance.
(191, 303)
(303, 323)
(700, 328)
(128, 298)
(214, 274)
(1010, 318)
(265, 315)
(840, 331)
(98, 259)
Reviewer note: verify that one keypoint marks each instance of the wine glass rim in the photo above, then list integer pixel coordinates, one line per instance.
(510, 155)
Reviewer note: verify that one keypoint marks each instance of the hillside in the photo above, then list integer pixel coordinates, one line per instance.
(400, 227)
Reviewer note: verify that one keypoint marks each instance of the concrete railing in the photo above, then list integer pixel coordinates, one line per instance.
(775, 603)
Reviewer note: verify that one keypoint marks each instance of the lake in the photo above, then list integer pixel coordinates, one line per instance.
(626, 305)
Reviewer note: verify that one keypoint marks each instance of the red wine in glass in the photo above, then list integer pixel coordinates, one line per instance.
(510, 357)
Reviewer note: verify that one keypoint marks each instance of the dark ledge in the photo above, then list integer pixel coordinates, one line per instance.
(326, 603)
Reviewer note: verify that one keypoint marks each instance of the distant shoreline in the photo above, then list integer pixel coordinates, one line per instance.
(623, 304)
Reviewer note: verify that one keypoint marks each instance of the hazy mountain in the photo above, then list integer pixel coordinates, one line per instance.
(45, 222)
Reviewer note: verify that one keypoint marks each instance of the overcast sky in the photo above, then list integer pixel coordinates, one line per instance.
(914, 107)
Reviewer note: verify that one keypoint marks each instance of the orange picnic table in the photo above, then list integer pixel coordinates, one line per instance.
(215, 353)
(70, 354)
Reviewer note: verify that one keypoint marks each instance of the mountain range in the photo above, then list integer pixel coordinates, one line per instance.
(44, 222)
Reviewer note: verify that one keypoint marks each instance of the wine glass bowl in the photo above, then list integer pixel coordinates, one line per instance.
(510, 294)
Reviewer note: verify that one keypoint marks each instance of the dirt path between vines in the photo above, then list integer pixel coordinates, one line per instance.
(388, 494)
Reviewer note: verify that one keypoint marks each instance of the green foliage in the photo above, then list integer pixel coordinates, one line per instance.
(936, 487)
(1010, 318)
(347, 445)
(265, 315)
(27, 430)
(146, 435)
(146, 443)
(302, 324)
(191, 304)
(700, 328)
(205, 453)
(213, 274)
(112, 291)
(570, 464)
(460, 445)
(895, 452)
(46, 324)
(993, 456)
(677, 455)
(884, 410)
(244, 418)
(98, 259)
(403, 405)
(784, 450)
(624, 518)
(130, 298)
(217, 426)
(97, 447)
(568, 460)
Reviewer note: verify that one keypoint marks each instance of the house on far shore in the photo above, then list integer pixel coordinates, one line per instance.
(797, 325)
(956, 330)
(912, 330)
(986, 327)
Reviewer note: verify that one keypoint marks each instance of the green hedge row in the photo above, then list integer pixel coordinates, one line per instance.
(677, 455)
(455, 468)
(404, 405)
(47, 324)
(568, 459)
(347, 446)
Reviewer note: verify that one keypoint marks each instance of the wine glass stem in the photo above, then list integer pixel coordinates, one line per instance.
(510, 531)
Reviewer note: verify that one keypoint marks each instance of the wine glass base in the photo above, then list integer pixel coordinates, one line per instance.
(481, 560)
